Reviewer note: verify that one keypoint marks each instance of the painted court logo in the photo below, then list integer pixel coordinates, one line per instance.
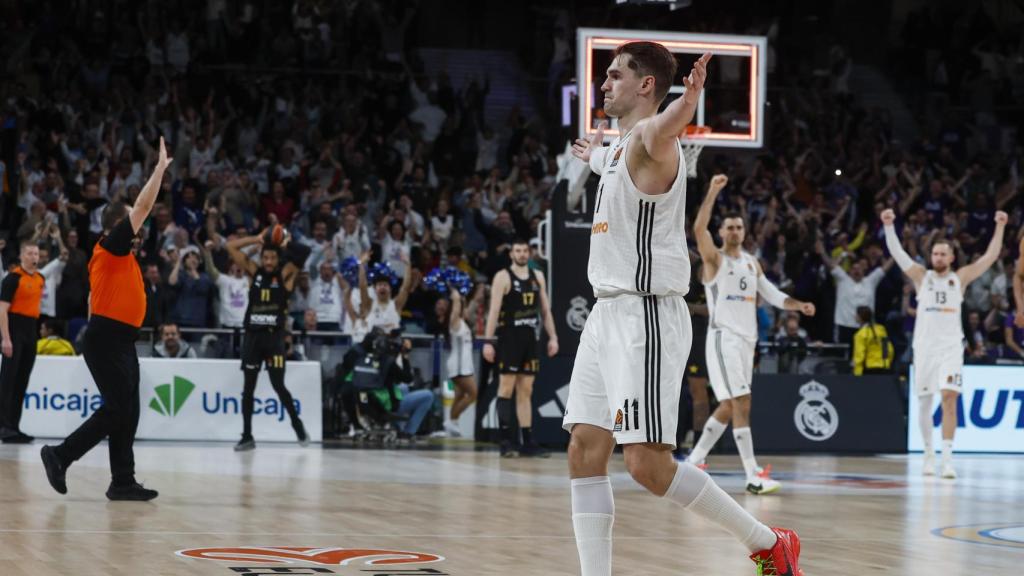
(310, 555)
(169, 398)
(1005, 535)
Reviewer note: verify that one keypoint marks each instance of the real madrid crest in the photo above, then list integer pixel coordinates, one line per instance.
(815, 417)
(576, 317)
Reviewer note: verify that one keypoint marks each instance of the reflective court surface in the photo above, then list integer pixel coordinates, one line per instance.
(462, 512)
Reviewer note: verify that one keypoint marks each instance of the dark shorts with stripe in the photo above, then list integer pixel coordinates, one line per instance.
(261, 347)
(518, 352)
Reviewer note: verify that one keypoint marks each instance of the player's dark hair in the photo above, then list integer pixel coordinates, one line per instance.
(731, 215)
(651, 59)
(271, 248)
(520, 241)
(112, 214)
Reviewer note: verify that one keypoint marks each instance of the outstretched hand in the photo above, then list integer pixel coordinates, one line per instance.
(582, 148)
(163, 161)
(694, 82)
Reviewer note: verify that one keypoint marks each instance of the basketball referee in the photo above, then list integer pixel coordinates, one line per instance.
(20, 296)
(264, 343)
(117, 307)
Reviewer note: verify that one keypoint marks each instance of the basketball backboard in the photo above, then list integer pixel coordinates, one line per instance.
(732, 103)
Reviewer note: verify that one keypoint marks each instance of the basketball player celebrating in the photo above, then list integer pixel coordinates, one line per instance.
(733, 280)
(118, 306)
(519, 299)
(264, 324)
(21, 296)
(628, 373)
(938, 331)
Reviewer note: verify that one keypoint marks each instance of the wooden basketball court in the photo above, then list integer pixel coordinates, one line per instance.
(484, 515)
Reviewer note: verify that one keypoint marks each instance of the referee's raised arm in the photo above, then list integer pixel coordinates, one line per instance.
(147, 197)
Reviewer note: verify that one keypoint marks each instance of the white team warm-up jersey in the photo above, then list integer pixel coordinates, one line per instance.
(938, 327)
(732, 296)
(637, 241)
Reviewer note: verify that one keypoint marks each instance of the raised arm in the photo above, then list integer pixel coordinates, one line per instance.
(778, 298)
(499, 287)
(457, 307)
(211, 268)
(172, 279)
(709, 255)
(972, 271)
(592, 151)
(234, 248)
(407, 284)
(147, 197)
(549, 320)
(1018, 286)
(659, 135)
(365, 304)
(912, 269)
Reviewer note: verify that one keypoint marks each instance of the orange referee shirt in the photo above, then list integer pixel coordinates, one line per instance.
(115, 278)
(24, 291)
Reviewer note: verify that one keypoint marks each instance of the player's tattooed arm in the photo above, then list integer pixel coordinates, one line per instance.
(771, 293)
(709, 254)
(972, 271)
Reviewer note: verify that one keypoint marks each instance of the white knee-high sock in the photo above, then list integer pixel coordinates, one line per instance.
(713, 430)
(745, 446)
(593, 513)
(924, 421)
(694, 490)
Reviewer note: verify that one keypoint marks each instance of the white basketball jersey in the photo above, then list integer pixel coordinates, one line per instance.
(732, 296)
(637, 240)
(938, 327)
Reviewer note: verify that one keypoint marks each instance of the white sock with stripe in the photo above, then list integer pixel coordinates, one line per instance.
(593, 513)
(745, 446)
(713, 430)
(694, 490)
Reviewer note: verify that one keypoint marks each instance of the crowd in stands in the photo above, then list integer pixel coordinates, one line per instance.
(382, 158)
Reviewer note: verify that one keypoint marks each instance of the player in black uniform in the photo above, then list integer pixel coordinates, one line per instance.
(519, 300)
(264, 341)
(696, 368)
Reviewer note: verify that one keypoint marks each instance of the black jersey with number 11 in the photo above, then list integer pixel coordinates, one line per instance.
(268, 302)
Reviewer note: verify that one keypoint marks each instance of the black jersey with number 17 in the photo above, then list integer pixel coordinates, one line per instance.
(268, 302)
(520, 309)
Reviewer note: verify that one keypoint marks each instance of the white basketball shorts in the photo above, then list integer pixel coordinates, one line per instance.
(730, 363)
(629, 368)
(460, 358)
(934, 371)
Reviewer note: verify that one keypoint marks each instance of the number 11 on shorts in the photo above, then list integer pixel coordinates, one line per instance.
(622, 418)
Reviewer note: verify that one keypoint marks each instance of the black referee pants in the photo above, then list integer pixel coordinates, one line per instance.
(109, 351)
(16, 370)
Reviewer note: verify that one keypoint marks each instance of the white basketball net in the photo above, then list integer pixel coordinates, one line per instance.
(691, 151)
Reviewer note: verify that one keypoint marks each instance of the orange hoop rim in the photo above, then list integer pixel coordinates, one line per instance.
(694, 131)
